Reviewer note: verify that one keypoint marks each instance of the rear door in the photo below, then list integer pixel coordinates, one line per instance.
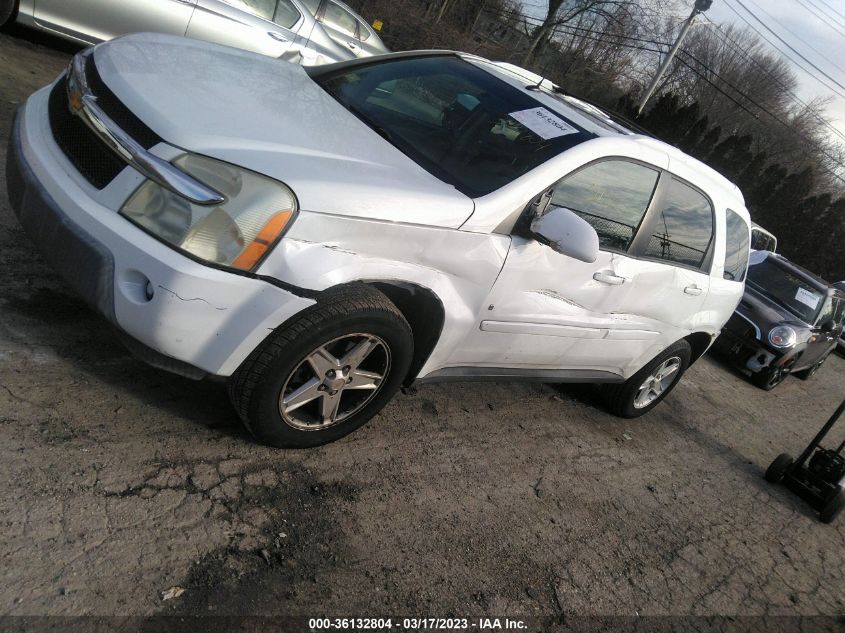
(669, 271)
(342, 26)
(98, 20)
(268, 27)
(368, 41)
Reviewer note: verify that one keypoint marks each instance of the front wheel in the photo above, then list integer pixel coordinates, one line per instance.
(645, 389)
(326, 372)
(769, 378)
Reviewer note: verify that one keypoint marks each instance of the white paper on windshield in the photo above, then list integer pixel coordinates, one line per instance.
(543, 123)
(807, 298)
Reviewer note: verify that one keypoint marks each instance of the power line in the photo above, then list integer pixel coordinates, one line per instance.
(789, 46)
(796, 36)
(739, 48)
(832, 9)
(822, 17)
(827, 15)
(720, 91)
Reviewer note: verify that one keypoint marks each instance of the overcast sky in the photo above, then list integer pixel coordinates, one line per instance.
(826, 37)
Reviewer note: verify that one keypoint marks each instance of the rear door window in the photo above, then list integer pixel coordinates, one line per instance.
(311, 6)
(340, 19)
(612, 196)
(736, 247)
(287, 15)
(262, 8)
(682, 230)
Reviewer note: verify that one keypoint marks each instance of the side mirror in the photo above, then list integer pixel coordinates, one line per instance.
(567, 234)
(828, 326)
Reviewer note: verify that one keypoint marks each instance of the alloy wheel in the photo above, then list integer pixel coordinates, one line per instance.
(334, 381)
(657, 382)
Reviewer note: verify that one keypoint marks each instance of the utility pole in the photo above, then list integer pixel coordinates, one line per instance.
(700, 7)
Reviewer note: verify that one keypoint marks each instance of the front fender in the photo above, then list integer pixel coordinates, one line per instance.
(321, 251)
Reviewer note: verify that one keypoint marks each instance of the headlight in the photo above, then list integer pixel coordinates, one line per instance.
(237, 233)
(782, 336)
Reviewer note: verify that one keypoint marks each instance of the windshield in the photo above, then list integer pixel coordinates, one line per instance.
(457, 121)
(787, 289)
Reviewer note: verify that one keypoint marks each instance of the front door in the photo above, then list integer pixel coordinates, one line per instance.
(645, 290)
(823, 339)
(98, 20)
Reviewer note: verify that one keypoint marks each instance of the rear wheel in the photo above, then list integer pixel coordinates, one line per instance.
(777, 469)
(325, 373)
(810, 372)
(645, 389)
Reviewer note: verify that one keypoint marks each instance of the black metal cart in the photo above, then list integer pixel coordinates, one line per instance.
(818, 474)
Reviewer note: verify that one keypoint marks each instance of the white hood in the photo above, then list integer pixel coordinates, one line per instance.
(269, 116)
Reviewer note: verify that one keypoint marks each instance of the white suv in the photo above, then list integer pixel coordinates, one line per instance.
(322, 237)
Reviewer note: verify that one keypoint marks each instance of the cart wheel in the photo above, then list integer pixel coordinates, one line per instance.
(777, 469)
(833, 507)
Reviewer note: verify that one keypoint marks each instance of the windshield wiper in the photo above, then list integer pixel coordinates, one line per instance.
(378, 129)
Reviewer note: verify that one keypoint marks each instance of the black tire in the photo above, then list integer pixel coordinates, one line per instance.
(833, 508)
(769, 378)
(619, 399)
(8, 10)
(808, 373)
(356, 310)
(777, 469)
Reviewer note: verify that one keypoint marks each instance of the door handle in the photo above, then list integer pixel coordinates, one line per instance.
(277, 36)
(608, 278)
(692, 290)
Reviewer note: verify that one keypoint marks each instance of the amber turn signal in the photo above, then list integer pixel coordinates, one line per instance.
(267, 236)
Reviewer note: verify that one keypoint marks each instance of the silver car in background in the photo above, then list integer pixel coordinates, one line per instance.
(346, 27)
(308, 32)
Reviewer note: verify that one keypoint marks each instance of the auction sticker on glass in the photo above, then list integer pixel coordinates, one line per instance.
(807, 298)
(543, 123)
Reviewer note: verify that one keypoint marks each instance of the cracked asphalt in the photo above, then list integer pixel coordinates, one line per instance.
(120, 481)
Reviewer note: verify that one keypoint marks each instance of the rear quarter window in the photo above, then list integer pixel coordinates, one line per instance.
(736, 247)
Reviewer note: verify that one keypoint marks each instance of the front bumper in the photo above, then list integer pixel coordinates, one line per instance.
(746, 352)
(199, 320)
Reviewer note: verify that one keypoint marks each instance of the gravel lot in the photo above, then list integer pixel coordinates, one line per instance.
(120, 481)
